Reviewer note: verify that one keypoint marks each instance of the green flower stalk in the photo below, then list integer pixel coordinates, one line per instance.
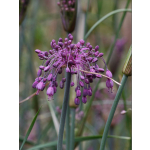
(64, 110)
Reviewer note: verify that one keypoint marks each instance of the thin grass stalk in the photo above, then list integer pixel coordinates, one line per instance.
(67, 128)
(68, 124)
(112, 111)
(64, 110)
(72, 129)
(118, 30)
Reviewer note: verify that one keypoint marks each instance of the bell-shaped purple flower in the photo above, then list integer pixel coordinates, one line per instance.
(46, 68)
(39, 73)
(87, 81)
(50, 92)
(63, 79)
(61, 85)
(82, 77)
(89, 93)
(109, 84)
(67, 69)
(81, 84)
(78, 93)
(108, 73)
(39, 86)
(96, 48)
(77, 101)
(84, 99)
(35, 83)
(49, 77)
(85, 92)
(72, 84)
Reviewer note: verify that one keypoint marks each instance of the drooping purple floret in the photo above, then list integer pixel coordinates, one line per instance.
(77, 101)
(74, 58)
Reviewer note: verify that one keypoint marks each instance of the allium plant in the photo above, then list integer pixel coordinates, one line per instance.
(75, 58)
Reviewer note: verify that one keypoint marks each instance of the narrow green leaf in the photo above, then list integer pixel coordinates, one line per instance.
(30, 128)
(21, 138)
(105, 17)
(78, 139)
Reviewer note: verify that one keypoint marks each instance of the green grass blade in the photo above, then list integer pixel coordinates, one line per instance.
(78, 139)
(30, 128)
(21, 138)
(105, 17)
(112, 111)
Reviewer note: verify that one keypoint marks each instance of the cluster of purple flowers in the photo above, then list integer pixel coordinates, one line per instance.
(75, 57)
(66, 5)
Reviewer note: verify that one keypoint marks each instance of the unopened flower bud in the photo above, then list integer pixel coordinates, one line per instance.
(72, 83)
(78, 93)
(84, 99)
(81, 84)
(37, 51)
(61, 85)
(108, 74)
(39, 72)
(49, 77)
(96, 48)
(77, 101)
(46, 68)
(34, 84)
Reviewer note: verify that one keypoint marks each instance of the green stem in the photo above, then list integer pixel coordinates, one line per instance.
(64, 110)
(77, 139)
(112, 111)
(72, 128)
(67, 128)
(105, 17)
(117, 33)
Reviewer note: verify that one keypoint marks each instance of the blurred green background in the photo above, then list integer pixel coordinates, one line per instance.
(42, 23)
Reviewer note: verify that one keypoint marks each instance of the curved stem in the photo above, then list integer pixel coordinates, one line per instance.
(105, 17)
(64, 110)
(112, 111)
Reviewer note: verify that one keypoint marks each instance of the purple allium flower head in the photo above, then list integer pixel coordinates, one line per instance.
(75, 57)
(72, 84)
(77, 101)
